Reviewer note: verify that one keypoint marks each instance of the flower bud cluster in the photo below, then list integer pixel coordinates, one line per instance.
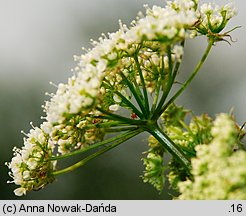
(29, 166)
(218, 171)
(154, 168)
(76, 133)
(187, 136)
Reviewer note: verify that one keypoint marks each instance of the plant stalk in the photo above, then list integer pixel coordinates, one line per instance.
(169, 145)
(127, 136)
(189, 80)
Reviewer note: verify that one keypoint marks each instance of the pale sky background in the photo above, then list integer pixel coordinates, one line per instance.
(38, 39)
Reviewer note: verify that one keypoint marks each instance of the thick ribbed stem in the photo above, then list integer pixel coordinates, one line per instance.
(169, 145)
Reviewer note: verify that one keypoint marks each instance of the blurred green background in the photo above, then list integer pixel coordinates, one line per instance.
(37, 42)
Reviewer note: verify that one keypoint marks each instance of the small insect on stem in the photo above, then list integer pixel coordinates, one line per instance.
(134, 116)
(42, 174)
(95, 121)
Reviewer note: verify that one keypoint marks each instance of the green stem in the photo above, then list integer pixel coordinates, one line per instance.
(177, 65)
(126, 101)
(158, 87)
(112, 116)
(143, 84)
(175, 72)
(205, 55)
(135, 93)
(168, 88)
(169, 145)
(105, 125)
(157, 93)
(96, 154)
(118, 129)
(93, 146)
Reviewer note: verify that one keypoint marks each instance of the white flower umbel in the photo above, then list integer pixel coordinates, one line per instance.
(213, 18)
